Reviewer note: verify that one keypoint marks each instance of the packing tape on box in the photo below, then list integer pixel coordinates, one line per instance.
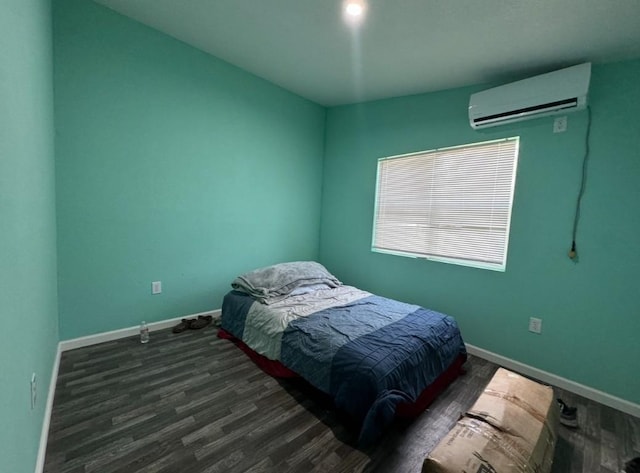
(518, 402)
(518, 455)
(536, 414)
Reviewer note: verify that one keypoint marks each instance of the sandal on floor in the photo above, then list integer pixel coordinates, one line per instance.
(183, 325)
(201, 322)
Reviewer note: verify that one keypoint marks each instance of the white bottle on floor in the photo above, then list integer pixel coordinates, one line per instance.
(144, 332)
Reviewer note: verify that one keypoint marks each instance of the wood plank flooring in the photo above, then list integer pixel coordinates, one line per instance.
(193, 403)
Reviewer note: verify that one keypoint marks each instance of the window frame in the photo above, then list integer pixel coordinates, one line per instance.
(447, 259)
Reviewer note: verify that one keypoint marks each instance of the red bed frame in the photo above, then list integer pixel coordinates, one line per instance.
(404, 410)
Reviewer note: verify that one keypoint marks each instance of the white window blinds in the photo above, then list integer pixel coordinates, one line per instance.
(451, 204)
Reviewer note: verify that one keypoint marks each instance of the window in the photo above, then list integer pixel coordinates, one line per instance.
(450, 204)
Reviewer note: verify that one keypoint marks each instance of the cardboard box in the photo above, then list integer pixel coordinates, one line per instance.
(512, 428)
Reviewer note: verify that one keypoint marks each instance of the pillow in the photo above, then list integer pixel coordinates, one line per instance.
(298, 291)
(274, 283)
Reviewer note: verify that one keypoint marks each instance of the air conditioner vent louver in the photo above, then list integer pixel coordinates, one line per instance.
(556, 92)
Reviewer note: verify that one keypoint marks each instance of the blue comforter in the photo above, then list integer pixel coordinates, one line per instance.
(369, 354)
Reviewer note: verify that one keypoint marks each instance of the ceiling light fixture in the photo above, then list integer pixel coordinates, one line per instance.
(354, 9)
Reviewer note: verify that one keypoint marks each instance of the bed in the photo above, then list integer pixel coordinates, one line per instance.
(376, 357)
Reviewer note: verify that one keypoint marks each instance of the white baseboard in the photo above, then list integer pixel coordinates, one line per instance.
(555, 380)
(128, 332)
(44, 433)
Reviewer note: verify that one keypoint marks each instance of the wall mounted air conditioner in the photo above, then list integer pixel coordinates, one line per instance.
(556, 92)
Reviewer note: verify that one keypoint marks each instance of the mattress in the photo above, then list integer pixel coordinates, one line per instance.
(369, 353)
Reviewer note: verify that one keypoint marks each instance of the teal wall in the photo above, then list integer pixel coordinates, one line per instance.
(590, 308)
(172, 165)
(28, 306)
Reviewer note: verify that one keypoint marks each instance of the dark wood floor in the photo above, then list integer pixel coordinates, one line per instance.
(194, 403)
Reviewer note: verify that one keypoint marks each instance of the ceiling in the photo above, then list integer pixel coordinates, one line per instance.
(402, 47)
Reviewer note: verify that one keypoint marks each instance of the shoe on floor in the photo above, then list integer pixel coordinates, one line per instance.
(568, 415)
(632, 466)
(201, 322)
(183, 325)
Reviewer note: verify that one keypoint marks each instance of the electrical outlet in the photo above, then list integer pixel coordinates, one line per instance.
(535, 325)
(560, 125)
(156, 287)
(34, 391)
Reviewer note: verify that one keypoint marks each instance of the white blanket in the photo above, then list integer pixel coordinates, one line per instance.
(265, 324)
